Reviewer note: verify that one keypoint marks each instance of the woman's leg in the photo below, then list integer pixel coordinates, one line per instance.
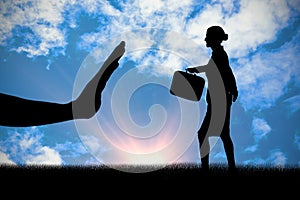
(225, 136)
(204, 148)
(203, 136)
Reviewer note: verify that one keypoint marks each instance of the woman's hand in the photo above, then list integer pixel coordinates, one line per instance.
(192, 70)
(234, 96)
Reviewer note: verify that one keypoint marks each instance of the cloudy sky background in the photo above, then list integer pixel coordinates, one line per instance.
(43, 45)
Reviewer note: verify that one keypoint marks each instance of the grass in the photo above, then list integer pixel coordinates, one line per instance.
(248, 180)
(150, 171)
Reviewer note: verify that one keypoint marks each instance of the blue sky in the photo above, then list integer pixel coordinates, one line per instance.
(49, 49)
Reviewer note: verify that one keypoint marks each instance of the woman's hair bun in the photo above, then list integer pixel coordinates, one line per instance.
(225, 37)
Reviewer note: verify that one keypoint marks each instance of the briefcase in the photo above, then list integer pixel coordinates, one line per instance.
(187, 85)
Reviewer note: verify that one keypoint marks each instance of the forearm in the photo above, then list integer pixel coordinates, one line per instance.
(19, 112)
(197, 69)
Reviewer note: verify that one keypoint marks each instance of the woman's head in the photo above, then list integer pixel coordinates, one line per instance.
(215, 35)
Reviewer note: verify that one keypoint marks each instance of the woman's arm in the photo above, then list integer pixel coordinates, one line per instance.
(197, 69)
(20, 112)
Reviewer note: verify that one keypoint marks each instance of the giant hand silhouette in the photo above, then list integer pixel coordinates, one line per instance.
(89, 101)
(19, 112)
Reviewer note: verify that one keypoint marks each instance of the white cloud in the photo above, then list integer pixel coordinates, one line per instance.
(94, 145)
(26, 141)
(41, 17)
(196, 27)
(220, 155)
(90, 6)
(260, 128)
(263, 78)
(227, 6)
(185, 48)
(294, 103)
(277, 158)
(255, 161)
(4, 159)
(252, 148)
(162, 63)
(24, 147)
(252, 24)
(149, 7)
(73, 149)
(170, 15)
(43, 156)
(161, 50)
(136, 42)
(295, 4)
(92, 161)
(256, 22)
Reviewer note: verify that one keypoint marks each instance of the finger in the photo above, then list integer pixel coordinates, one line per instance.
(119, 50)
(117, 53)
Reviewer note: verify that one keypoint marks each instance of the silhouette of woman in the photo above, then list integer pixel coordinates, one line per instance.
(214, 37)
(20, 112)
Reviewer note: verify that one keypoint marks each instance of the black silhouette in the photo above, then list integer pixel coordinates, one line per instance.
(20, 112)
(214, 37)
